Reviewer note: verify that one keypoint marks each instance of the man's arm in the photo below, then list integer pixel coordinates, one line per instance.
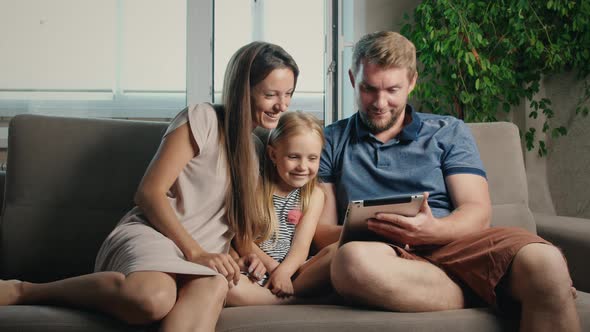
(328, 230)
(470, 196)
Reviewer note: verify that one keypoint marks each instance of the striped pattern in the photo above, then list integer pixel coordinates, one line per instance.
(278, 248)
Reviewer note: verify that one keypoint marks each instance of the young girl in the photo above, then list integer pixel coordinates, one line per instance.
(167, 259)
(293, 206)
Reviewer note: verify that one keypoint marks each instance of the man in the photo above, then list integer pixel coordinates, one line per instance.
(453, 259)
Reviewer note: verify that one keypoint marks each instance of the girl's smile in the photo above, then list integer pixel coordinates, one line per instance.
(297, 160)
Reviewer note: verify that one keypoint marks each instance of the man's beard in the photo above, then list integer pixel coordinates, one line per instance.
(377, 128)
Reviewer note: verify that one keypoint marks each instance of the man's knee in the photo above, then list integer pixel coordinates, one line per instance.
(539, 271)
(355, 262)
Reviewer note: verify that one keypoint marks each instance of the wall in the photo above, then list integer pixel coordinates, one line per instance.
(557, 183)
(568, 163)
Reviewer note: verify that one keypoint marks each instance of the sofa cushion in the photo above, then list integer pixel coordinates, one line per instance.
(500, 150)
(68, 182)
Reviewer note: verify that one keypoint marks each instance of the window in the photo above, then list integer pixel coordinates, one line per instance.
(149, 58)
(101, 58)
(297, 26)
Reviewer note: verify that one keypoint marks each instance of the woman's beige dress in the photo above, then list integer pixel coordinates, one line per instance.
(197, 197)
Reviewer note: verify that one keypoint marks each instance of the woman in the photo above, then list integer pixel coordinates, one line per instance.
(167, 259)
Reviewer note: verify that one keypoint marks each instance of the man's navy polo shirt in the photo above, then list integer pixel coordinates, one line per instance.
(417, 160)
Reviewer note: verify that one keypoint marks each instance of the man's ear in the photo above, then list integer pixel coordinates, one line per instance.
(413, 82)
(351, 77)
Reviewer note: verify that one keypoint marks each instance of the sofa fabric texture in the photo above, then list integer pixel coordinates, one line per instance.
(70, 180)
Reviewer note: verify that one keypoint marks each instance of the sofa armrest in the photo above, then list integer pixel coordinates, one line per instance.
(2, 181)
(572, 235)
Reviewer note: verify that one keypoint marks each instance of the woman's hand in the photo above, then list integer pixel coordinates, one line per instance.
(280, 283)
(224, 264)
(252, 265)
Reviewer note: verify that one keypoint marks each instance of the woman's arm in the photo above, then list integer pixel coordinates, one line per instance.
(176, 150)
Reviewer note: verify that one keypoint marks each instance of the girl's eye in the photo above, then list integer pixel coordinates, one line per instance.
(292, 157)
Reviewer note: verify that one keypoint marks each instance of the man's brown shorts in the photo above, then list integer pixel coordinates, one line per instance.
(478, 261)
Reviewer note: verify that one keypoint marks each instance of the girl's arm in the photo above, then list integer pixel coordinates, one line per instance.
(176, 150)
(304, 233)
(269, 263)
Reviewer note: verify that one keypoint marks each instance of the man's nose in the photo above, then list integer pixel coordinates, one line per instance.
(381, 100)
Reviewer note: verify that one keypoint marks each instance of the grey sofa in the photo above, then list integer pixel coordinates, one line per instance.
(69, 181)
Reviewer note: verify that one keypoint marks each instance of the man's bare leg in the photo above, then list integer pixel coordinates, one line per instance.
(200, 300)
(140, 298)
(371, 273)
(540, 280)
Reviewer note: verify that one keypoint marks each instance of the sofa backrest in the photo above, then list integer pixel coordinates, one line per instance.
(68, 182)
(501, 153)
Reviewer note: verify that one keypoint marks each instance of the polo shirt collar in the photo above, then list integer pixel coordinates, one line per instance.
(409, 132)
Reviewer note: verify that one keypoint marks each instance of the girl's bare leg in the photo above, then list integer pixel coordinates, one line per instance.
(247, 292)
(139, 298)
(313, 278)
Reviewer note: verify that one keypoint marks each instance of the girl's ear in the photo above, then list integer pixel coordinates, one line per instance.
(272, 154)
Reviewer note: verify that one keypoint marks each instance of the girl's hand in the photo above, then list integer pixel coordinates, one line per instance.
(224, 264)
(252, 265)
(280, 283)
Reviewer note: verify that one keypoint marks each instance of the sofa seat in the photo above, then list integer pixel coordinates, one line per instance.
(294, 318)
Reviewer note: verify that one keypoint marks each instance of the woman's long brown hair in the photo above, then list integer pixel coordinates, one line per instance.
(250, 65)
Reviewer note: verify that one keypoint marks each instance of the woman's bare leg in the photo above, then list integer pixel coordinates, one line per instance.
(200, 300)
(139, 298)
(10, 291)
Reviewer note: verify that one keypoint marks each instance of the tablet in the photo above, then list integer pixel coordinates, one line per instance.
(357, 213)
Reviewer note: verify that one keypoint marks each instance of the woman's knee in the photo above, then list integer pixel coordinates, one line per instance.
(150, 301)
(219, 287)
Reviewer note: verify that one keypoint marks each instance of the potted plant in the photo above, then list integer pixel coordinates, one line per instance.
(484, 57)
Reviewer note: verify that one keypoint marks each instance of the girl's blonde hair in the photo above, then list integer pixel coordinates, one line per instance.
(290, 124)
(250, 65)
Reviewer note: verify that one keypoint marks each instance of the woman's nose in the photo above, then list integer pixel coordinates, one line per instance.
(283, 104)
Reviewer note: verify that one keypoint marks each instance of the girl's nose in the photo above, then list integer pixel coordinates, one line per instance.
(299, 166)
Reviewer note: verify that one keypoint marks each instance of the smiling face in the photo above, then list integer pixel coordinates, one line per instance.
(381, 95)
(271, 97)
(297, 159)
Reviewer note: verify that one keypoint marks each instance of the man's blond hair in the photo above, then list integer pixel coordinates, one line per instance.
(386, 49)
